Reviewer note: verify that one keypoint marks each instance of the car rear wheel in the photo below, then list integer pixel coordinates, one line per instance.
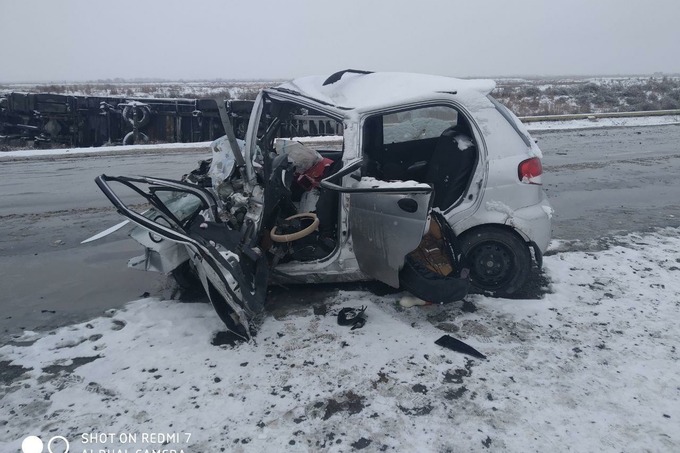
(499, 260)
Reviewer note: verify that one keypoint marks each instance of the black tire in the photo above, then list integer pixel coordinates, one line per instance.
(499, 260)
(425, 284)
(129, 115)
(129, 138)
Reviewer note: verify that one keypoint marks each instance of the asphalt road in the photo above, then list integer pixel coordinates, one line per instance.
(601, 182)
(47, 278)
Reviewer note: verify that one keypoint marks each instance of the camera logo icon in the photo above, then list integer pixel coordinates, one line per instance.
(33, 444)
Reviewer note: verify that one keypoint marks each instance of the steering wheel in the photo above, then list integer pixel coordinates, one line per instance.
(300, 234)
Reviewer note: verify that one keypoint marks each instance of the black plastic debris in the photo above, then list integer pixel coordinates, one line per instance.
(350, 316)
(447, 341)
(226, 338)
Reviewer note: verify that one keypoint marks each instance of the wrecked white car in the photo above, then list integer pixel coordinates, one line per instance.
(421, 182)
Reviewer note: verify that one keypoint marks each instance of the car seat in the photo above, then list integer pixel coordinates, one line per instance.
(450, 168)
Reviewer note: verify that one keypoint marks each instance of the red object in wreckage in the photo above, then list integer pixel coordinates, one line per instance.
(311, 178)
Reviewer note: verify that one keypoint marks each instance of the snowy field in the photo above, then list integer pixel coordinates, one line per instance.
(202, 89)
(593, 366)
(524, 96)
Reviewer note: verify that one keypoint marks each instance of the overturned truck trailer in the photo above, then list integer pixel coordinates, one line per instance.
(83, 121)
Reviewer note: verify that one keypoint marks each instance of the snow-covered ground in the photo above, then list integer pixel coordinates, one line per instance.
(604, 122)
(593, 366)
(61, 152)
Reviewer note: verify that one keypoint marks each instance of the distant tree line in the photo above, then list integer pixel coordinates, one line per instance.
(524, 97)
(210, 90)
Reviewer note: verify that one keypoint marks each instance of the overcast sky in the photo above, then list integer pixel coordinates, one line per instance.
(76, 40)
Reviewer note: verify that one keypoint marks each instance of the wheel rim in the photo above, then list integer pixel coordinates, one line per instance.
(492, 265)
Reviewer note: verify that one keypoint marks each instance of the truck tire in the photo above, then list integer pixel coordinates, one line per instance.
(129, 115)
(129, 138)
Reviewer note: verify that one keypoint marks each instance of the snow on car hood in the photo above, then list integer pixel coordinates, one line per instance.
(368, 91)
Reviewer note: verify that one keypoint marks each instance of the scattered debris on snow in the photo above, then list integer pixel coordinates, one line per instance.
(593, 366)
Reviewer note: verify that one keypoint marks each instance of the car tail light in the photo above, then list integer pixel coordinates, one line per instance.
(530, 171)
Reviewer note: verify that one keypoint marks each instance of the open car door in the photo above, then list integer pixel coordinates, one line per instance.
(232, 270)
(387, 220)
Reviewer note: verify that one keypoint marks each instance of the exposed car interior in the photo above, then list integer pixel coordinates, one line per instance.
(432, 145)
(299, 148)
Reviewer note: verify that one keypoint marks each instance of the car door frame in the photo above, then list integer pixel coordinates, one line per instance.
(232, 309)
(464, 206)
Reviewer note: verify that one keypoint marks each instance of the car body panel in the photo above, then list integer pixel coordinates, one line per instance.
(369, 92)
(385, 228)
(162, 256)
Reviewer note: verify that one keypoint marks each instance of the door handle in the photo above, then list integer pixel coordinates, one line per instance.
(408, 204)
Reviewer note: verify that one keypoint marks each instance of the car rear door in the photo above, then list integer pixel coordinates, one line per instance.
(387, 220)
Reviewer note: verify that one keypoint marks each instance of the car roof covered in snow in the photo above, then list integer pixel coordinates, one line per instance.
(350, 90)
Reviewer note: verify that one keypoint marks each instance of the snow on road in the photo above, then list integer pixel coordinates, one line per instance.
(604, 122)
(101, 150)
(593, 366)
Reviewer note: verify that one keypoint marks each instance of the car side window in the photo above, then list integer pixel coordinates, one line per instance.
(400, 145)
(432, 145)
(417, 124)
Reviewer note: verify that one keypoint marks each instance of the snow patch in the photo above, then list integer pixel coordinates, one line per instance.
(367, 91)
(548, 211)
(604, 122)
(464, 142)
(499, 206)
(595, 356)
(372, 183)
(101, 149)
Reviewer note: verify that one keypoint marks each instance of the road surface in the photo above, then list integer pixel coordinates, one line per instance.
(47, 278)
(609, 181)
(601, 182)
